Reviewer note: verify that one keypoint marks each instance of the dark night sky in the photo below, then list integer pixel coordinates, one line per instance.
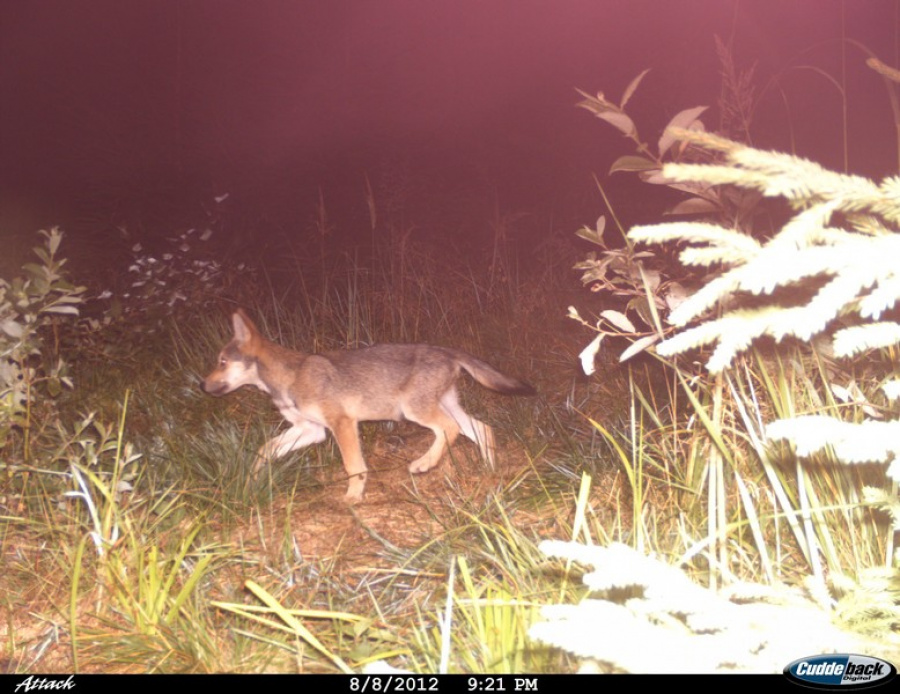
(134, 103)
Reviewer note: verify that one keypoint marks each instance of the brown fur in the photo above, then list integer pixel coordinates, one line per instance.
(337, 390)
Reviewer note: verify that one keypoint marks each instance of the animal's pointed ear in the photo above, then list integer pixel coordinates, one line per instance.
(244, 329)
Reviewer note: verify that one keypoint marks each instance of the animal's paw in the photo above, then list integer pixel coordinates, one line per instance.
(355, 491)
(352, 498)
(423, 464)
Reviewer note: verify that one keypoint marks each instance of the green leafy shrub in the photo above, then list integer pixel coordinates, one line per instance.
(656, 620)
(797, 331)
(29, 305)
(176, 279)
(830, 270)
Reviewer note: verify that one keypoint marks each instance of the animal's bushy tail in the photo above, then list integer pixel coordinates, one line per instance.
(489, 377)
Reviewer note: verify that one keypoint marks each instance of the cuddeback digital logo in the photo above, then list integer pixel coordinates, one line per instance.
(840, 671)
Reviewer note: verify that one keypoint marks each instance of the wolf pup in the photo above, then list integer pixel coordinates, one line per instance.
(337, 390)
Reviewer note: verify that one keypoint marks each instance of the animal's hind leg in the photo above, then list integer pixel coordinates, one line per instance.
(445, 431)
(471, 428)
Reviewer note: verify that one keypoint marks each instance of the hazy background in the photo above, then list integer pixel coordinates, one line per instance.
(113, 111)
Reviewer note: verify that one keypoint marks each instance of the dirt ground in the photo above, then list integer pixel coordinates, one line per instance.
(400, 510)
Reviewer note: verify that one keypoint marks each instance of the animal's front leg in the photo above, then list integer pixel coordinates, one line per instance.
(298, 436)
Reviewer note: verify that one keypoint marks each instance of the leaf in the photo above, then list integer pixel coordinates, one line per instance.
(683, 119)
(594, 104)
(588, 353)
(35, 271)
(592, 271)
(619, 319)
(53, 240)
(840, 392)
(12, 328)
(694, 206)
(67, 310)
(675, 295)
(42, 254)
(633, 162)
(638, 346)
(67, 299)
(594, 235)
(54, 387)
(632, 86)
(640, 304)
(652, 278)
(656, 178)
(620, 121)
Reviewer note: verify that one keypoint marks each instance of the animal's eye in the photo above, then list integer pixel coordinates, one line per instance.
(222, 361)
